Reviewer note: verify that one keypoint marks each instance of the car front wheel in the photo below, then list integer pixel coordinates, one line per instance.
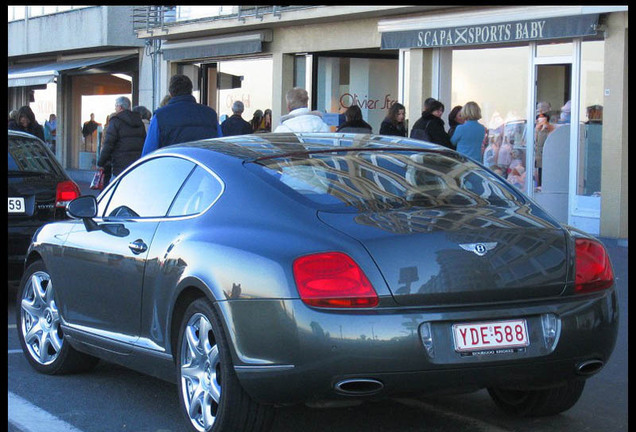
(538, 403)
(38, 323)
(211, 396)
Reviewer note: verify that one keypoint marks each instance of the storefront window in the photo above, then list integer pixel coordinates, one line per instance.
(370, 83)
(497, 79)
(249, 81)
(591, 115)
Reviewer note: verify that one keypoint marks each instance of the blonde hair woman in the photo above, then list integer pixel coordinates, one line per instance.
(469, 136)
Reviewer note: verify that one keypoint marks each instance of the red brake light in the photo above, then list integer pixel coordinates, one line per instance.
(334, 280)
(593, 268)
(66, 192)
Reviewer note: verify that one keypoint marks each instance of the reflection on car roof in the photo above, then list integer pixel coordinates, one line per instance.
(272, 145)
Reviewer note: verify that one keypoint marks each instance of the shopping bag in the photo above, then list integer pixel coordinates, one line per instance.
(98, 180)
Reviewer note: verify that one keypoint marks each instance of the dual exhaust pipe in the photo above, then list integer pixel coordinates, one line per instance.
(370, 386)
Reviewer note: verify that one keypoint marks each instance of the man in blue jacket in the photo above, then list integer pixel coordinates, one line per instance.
(182, 119)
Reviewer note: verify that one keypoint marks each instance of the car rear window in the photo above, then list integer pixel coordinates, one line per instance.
(28, 155)
(384, 179)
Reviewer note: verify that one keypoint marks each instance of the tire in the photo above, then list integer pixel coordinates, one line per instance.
(210, 395)
(38, 324)
(538, 403)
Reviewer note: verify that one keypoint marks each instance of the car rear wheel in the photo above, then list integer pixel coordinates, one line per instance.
(39, 331)
(211, 396)
(538, 403)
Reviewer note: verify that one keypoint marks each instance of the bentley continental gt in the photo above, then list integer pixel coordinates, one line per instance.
(272, 269)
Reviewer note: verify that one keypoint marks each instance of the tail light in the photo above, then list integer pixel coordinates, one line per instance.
(593, 268)
(333, 280)
(66, 192)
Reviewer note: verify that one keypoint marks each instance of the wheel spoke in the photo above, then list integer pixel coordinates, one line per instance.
(207, 416)
(29, 307)
(56, 341)
(34, 333)
(38, 290)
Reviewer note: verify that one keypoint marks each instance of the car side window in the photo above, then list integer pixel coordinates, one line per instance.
(148, 190)
(200, 190)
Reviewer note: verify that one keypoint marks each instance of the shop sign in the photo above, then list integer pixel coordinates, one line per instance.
(506, 32)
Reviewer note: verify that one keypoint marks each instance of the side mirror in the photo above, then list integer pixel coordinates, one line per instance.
(84, 207)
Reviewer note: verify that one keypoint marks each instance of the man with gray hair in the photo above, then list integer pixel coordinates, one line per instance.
(235, 124)
(123, 139)
(300, 117)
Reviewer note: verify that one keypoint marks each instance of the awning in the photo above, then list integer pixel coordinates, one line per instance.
(245, 43)
(24, 75)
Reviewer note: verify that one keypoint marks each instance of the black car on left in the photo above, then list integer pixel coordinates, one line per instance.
(38, 191)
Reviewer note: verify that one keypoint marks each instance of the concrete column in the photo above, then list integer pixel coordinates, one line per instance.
(614, 183)
(283, 81)
(420, 82)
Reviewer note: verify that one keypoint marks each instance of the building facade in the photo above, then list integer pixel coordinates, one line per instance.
(511, 60)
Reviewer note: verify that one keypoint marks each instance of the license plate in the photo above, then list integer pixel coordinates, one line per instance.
(494, 335)
(16, 205)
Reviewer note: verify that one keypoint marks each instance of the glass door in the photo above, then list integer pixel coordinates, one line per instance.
(550, 129)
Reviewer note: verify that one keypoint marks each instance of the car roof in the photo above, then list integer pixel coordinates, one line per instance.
(255, 147)
(22, 134)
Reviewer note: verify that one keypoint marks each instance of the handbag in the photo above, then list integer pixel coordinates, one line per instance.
(98, 180)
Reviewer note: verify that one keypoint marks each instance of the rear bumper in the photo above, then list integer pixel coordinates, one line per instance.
(286, 352)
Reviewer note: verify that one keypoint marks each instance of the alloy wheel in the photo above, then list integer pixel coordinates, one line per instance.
(200, 372)
(40, 319)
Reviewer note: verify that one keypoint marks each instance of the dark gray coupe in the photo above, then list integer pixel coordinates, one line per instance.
(279, 268)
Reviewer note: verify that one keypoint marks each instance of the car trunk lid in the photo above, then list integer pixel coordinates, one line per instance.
(458, 256)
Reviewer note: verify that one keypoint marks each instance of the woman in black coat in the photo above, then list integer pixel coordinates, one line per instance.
(430, 127)
(26, 122)
(354, 122)
(393, 124)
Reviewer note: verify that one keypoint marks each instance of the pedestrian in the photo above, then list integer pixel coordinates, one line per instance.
(145, 114)
(300, 117)
(454, 120)
(26, 122)
(257, 118)
(124, 138)
(430, 127)
(354, 123)
(50, 131)
(108, 166)
(13, 119)
(468, 137)
(89, 134)
(393, 123)
(183, 119)
(235, 124)
(266, 122)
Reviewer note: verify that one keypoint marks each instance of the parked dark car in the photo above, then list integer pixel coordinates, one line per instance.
(282, 268)
(39, 190)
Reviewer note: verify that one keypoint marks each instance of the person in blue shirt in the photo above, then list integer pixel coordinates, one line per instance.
(468, 137)
(182, 119)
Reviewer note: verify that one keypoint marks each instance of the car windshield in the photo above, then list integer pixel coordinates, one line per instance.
(372, 180)
(27, 156)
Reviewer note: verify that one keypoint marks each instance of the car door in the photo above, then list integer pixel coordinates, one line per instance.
(105, 262)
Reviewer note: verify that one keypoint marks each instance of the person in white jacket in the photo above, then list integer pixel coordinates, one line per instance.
(301, 118)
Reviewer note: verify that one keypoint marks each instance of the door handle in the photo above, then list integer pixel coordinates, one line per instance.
(138, 246)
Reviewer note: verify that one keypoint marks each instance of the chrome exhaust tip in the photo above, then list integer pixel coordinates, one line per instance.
(359, 387)
(589, 367)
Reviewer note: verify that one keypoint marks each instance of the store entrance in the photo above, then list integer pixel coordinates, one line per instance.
(552, 138)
